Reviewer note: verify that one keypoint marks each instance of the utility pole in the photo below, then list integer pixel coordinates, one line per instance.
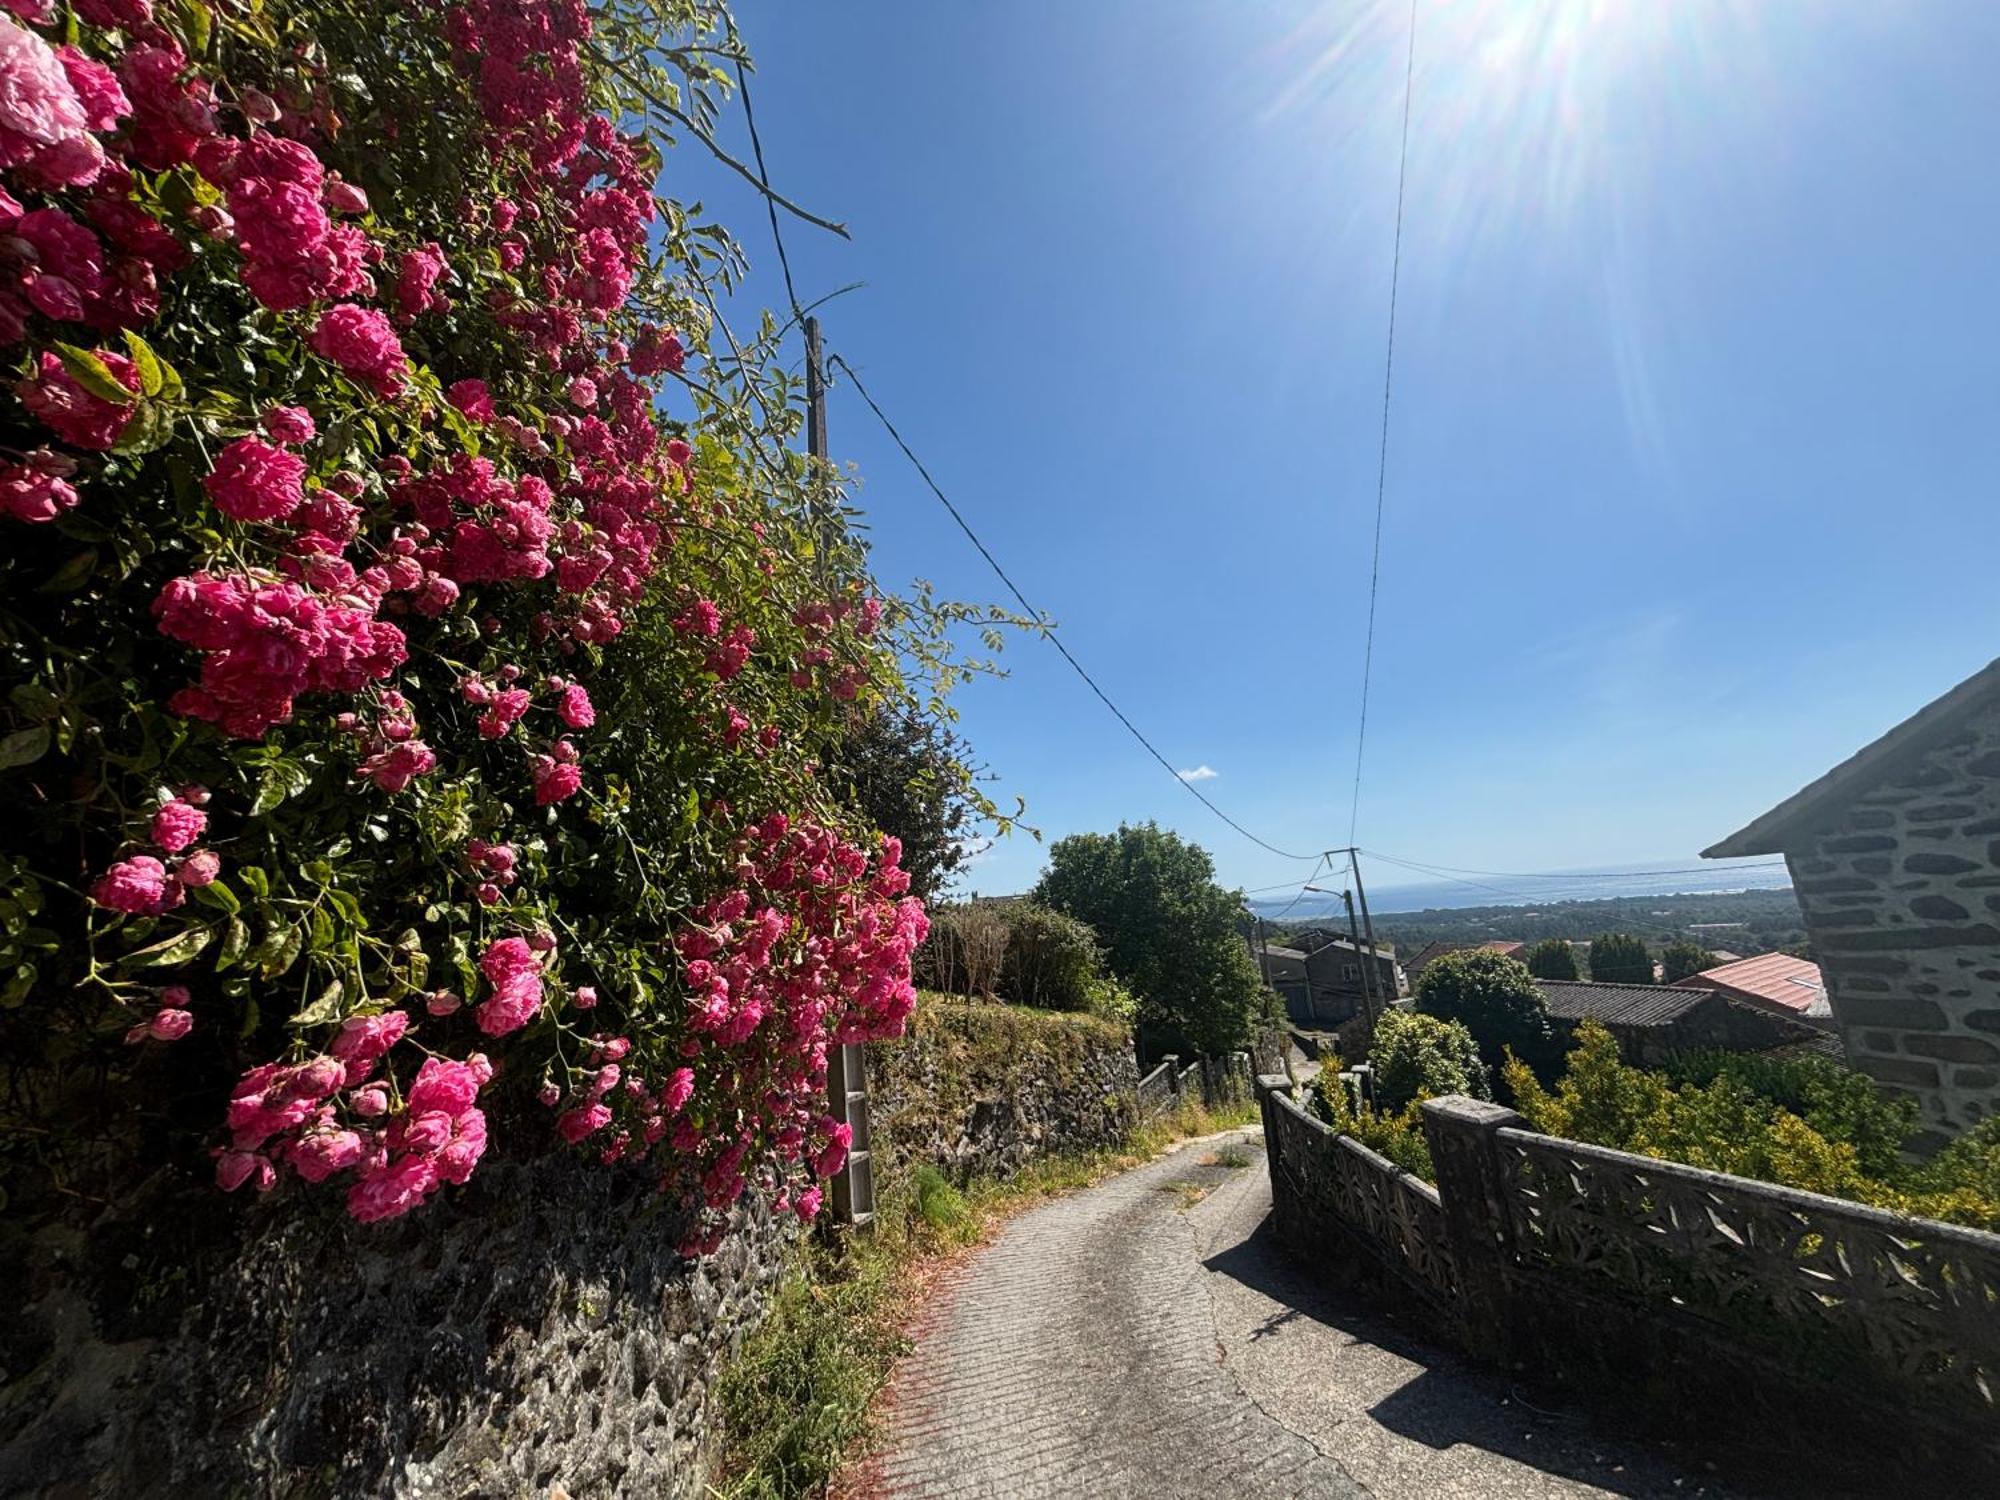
(1367, 964)
(846, 1064)
(1354, 863)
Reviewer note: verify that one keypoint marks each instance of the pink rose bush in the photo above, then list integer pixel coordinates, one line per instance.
(422, 530)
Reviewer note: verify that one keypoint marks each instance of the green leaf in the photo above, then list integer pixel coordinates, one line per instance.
(94, 375)
(19, 982)
(151, 373)
(198, 25)
(281, 779)
(234, 941)
(72, 575)
(323, 1011)
(24, 747)
(322, 929)
(153, 425)
(281, 950)
(34, 700)
(254, 877)
(178, 949)
(219, 896)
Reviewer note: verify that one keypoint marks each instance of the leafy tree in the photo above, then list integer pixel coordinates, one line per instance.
(1167, 927)
(1415, 1056)
(1681, 960)
(1552, 958)
(1620, 958)
(1398, 1136)
(1052, 959)
(1838, 1102)
(1494, 997)
(909, 776)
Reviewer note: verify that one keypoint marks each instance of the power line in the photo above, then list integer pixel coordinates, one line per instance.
(1304, 886)
(1047, 629)
(764, 178)
(1382, 458)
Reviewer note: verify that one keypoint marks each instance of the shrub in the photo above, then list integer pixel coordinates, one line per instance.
(1620, 958)
(1415, 1057)
(1552, 958)
(418, 647)
(964, 951)
(1493, 997)
(1398, 1136)
(1683, 960)
(1052, 959)
(1838, 1102)
(1725, 1125)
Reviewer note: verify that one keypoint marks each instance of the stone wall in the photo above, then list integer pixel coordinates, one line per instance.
(980, 1087)
(534, 1329)
(1737, 1312)
(1902, 897)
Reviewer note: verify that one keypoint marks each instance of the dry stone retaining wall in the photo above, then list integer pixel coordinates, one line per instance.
(535, 1329)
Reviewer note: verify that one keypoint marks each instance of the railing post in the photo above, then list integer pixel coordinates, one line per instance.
(1478, 1227)
(1173, 1062)
(1269, 1086)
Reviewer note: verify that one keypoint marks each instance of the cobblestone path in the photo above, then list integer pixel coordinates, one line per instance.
(1145, 1338)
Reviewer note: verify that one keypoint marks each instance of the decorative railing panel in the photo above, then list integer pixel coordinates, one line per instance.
(1156, 1091)
(1334, 1176)
(1920, 1299)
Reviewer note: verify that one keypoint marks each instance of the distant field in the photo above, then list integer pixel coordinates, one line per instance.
(1755, 921)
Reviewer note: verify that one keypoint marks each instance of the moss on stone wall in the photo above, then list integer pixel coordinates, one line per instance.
(984, 1087)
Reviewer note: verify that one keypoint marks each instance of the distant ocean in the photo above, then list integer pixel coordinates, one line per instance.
(1502, 890)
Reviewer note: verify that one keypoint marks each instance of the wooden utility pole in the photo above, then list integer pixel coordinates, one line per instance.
(846, 1064)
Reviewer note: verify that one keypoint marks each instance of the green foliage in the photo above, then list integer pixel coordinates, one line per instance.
(936, 1201)
(1760, 921)
(1726, 1125)
(1167, 927)
(1838, 1102)
(1620, 958)
(1681, 960)
(1495, 998)
(1552, 958)
(1052, 959)
(910, 776)
(1398, 1136)
(1415, 1056)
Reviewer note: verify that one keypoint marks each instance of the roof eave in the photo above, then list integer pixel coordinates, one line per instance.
(1768, 834)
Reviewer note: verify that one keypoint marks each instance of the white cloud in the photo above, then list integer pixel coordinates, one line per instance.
(1199, 773)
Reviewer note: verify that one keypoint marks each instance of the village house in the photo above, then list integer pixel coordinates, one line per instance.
(1320, 981)
(1654, 1023)
(1430, 952)
(1895, 856)
(1774, 982)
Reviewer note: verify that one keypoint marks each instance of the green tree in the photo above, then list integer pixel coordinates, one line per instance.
(1168, 929)
(1552, 958)
(1052, 959)
(1682, 959)
(909, 776)
(1495, 998)
(1620, 958)
(1415, 1056)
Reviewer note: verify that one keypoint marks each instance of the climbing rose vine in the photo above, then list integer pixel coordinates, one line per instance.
(419, 633)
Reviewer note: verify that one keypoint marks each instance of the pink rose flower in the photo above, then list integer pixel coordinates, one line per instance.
(199, 869)
(137, 885)
(72, 413)
(178, 824)
(291, 425)
(252, 481)
(361, 342)
(472, 398)
(28, 494)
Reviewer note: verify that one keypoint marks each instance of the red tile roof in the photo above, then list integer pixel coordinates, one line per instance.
(1775, 981)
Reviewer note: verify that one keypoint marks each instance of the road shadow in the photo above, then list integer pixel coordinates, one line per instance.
(1454, 1401)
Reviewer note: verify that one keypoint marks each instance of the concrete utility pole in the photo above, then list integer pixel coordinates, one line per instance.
(1367, 964)
(1360, 890)
(846, 1065)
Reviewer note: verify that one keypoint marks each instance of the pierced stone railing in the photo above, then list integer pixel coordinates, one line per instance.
(1691, 1298)
(1156, 1090)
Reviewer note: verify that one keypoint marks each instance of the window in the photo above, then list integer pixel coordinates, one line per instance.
(1350, 971)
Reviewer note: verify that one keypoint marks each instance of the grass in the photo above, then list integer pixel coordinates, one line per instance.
(795, 1402)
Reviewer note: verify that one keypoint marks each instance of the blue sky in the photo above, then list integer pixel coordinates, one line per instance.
(1694, 447)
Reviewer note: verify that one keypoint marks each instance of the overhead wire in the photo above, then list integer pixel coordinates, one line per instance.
(1382, 456)
(1047, 629)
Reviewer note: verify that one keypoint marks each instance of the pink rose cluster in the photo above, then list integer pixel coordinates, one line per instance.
(331, 1114)
(144, 885)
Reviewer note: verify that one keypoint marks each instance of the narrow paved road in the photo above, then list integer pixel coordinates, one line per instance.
(1146, 1338)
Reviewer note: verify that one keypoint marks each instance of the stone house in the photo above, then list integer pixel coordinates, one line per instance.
(1322, 986)
(1655, 1023)
(1895, 855)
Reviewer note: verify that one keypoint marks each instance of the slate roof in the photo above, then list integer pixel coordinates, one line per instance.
(1770, 980)
(1771, 833)
(1621, 1004)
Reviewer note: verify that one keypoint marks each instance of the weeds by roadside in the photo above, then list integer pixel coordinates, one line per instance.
(795, 1402)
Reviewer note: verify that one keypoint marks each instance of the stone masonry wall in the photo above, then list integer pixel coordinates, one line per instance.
(980, 1087)
(1902, 897)
(536, 1329)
